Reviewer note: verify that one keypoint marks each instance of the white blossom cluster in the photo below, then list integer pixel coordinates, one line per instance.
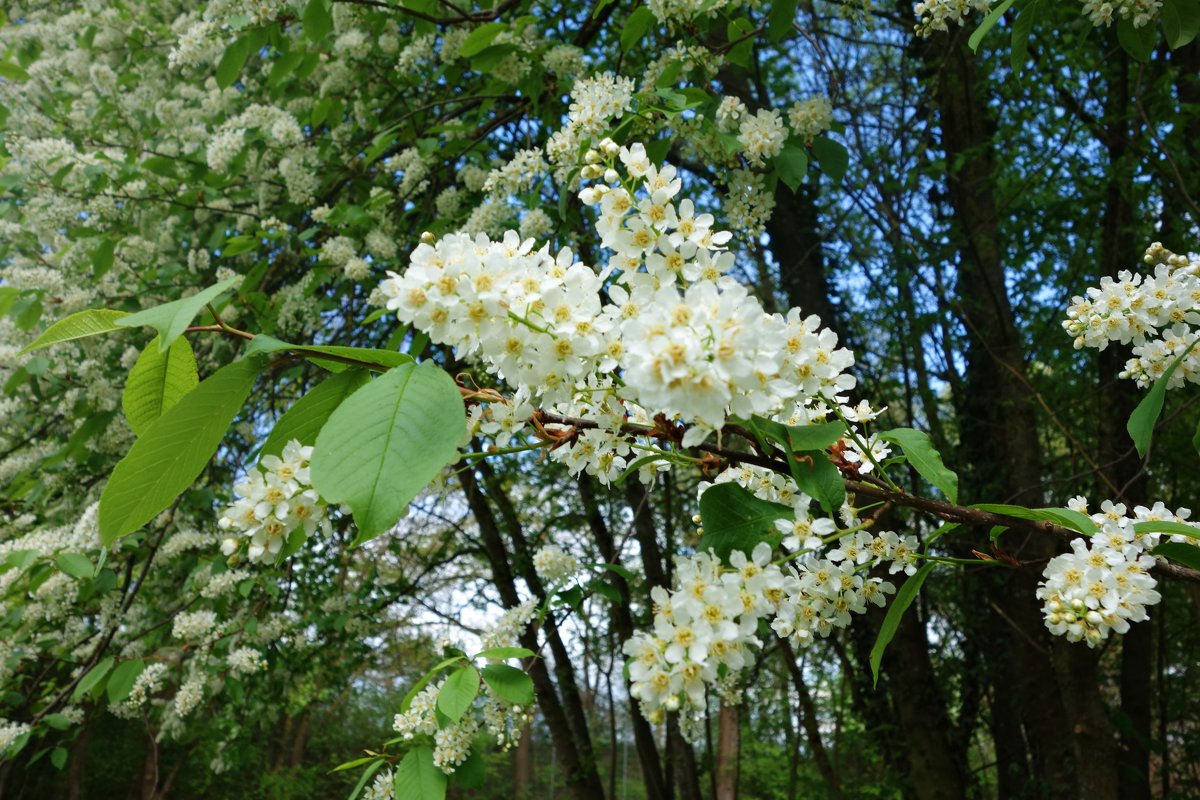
(10, 732)
(810, 118)
(1104, 583)
(144, 686)
(1159, 314)
(245, 661)
(938, 15)
(705, 628)
(661, 326)
(274, 500)
(1106, 12)
(452, 743)
(194, 626)
(761, 136)
(554, 565)
(595, 102)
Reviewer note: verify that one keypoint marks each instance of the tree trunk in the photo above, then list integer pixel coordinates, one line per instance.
(728, 732)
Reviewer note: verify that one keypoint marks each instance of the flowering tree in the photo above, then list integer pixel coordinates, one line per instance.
(275, 272)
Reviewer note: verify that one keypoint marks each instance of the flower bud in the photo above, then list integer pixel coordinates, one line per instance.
(611, 176)
(1093, 618)
(671, 703)
(589, 196)
(1077, 605)
(609, 147)
(427, 237)
(229, 546)
(591, 157)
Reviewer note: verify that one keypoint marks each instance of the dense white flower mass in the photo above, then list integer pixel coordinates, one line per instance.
(274, 500)
(1104, 583)
(1159, 314)
(554, 565)
(938, 15)
(661, 326)
(706, 627)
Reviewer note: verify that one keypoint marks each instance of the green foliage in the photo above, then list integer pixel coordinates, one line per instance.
(385, 443)
(77, 326)
(926, 460)
(734, 519)
(887, 631)
(509, 683)
(170, 319)
(458, 692)
(158, 381)
(417, 778)
(304, 420)
(173, 450)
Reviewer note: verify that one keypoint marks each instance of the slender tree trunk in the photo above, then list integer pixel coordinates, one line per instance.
(811, 725)
(728, 733)
(622, 622)
(523, 763)
(1064, 721)
(579, 768)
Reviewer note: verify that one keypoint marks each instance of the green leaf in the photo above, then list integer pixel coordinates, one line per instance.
(817, 436)
(1059, 516)
(832, 156)
(509, 683)
(734, 519)
(1142, 420)
(77, 326)
(317, 19)
(158, 381)
(120, 683)
(417, 778)
(904, 599)
(505, 652)
(1165, 526)
(91, 679)
(304, 420)
(103, 257)
(925, 458)
(605, 589)
(170, 319)
(377, 763)
(780, 18)
(1138, 42)
(619, 570)
(738, 31)
(988, 22)
(284, 66)
(1181, 21)
(425, 679)
(59, 757)
(358, 762)
(232, 61)
(472, 772)
(386, 442)
(636, 26)
(1187, 555)
(173, 451)
(458, 692)
(76, 565)
(238, 245)
(369, 357)
(479, 39)
(791, 165)
(817, 477)
(12, 72)
(1022, 30)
